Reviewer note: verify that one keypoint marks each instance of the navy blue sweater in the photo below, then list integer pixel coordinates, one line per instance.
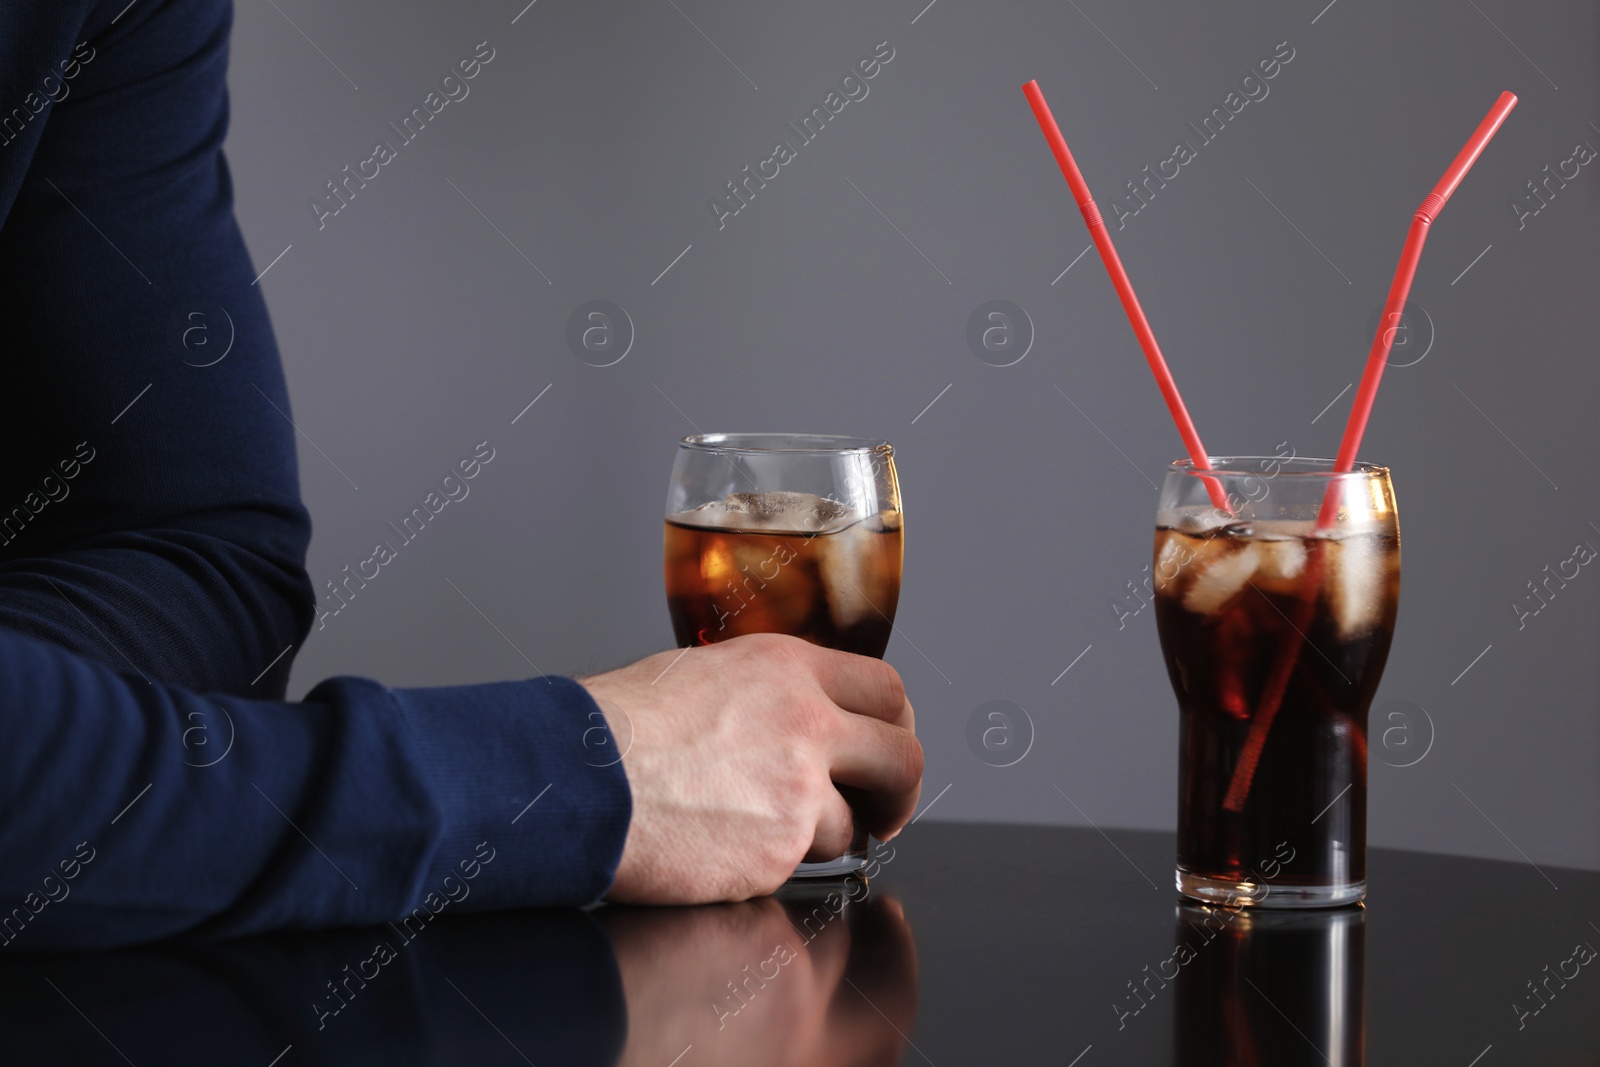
(153, 782)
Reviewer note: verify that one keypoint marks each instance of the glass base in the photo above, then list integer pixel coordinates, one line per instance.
(849, 863)
(852, 861)
(1250, 894)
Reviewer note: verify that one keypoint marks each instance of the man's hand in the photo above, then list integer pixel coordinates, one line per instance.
(732, 752)
(788, 1005)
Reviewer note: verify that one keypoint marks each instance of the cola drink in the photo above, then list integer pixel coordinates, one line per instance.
(783, 562)
(1236, 602)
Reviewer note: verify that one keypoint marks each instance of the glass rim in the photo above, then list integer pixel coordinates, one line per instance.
(790, 443)
(1229, 467)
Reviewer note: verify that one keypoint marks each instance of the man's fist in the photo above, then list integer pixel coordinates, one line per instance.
(733, 751)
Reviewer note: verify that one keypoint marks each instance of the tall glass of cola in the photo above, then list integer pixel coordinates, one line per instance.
(796, 534)
(1275, 615)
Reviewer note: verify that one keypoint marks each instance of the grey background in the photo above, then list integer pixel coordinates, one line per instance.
(412, 330)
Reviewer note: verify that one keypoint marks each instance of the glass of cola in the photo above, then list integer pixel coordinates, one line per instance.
(1275, 614)
(796, 534)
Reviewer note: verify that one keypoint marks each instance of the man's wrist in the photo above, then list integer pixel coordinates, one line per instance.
(532, 796)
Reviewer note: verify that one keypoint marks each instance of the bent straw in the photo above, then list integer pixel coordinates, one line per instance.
(1378, 358)
(1119, 279)
(1393, 309)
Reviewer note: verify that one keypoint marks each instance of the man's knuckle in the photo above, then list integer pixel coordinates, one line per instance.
(894, 687)
(811, 718)
(779, 647)
(779, 851)
(911, 761)
(794, 783)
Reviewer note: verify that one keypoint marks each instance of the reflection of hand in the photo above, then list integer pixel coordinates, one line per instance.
(734, 753)
(698, 977)
(871, 1015)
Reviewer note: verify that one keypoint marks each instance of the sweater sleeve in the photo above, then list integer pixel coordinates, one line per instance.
(149, 503)
(137, 811)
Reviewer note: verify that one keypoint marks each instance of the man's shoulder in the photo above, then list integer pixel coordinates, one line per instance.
(52, 51)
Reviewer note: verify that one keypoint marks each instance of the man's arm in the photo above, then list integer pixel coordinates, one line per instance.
(150, 515)
(137, 811)
(152, 545)
(176, 558)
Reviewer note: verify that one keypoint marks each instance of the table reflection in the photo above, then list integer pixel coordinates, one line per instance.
(808, 978)
(793, 980)
(1259, 987)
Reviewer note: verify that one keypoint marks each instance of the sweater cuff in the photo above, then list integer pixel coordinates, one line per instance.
(533, 798)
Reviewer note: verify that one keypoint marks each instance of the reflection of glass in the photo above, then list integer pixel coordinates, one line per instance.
(806, 978)
(1279, 988)
(796, 534)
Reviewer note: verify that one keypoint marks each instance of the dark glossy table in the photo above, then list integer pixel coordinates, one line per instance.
(972, 944)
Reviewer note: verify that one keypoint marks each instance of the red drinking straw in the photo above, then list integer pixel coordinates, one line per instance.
(1377, 359)
(1394, 307)
(1130, 302)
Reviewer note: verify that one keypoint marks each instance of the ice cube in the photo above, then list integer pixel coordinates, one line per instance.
(1283, 565)
(827, 515)
(856, 577)
(1204, 521)
(1173, 554)
(1193, 519)
(1222, 578)
(754, 582)
(1198, 553)
(1283, 529)
(1282, 559)
(780, 510)
(1357, 583)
